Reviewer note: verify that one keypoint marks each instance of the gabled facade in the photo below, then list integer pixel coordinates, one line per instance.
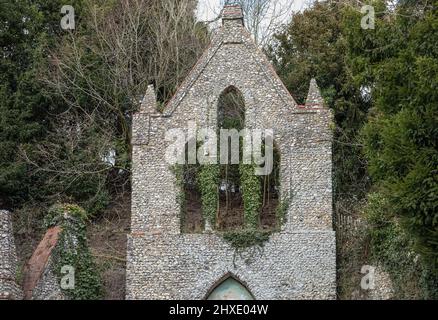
(299, 260)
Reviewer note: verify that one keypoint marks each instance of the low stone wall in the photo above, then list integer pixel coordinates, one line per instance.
(291, 265)
(9, 289)
(47, 287)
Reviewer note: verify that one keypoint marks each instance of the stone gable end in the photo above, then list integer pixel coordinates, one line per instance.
(297, 262)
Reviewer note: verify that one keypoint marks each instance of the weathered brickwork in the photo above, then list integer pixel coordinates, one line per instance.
(298, 262)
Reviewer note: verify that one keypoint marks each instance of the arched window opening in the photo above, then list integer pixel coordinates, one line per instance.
(229, 196)
(230, 289)
(231, 115)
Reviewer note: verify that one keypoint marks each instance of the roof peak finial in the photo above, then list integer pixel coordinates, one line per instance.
(314, 97)
(149, 102)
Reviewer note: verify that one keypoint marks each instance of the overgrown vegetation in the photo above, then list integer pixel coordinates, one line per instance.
(400, 64)
(233, 196)
(393, 247)
(380, 83)
(252, 236)
(244, 238)
(72, 250)
(312, 46)
(208, 181)
(28, 30)
(67, 98)
(252, 195)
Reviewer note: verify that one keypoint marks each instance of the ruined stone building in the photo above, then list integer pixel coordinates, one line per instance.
(40, 281)
(298, 261)
(37, 280)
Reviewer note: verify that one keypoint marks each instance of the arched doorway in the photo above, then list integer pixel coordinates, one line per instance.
(230, 289)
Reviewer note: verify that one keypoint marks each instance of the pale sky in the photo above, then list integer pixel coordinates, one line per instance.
(209, 10)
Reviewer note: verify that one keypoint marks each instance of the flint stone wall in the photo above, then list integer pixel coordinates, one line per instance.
(298, 262)
(48, 287)
(9, 289)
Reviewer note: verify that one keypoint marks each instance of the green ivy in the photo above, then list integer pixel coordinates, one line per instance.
(252, 199)
(72, 250)
(241, 239)
(209, 177)
(208, 180)
(55, 215)
(248, 237)
(281, 211)
(392, 247)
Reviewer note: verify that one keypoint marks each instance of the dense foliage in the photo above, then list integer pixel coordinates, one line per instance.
(399, 62)
(391, 246)
(312, 46)
(381, 84)
(72, 250)
(67, 98)
(28, 29)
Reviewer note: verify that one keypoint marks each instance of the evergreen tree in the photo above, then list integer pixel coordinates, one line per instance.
(312, 46)
(27, 30)
(399, 61)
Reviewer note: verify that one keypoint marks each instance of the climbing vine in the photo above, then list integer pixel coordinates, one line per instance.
(208, 180)
(245, 238)
(72, 250)
(252, 198)
(281, 211)
(249, 237)
(229, 189)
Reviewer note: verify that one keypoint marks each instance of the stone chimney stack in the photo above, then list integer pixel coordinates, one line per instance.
(232, 14)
